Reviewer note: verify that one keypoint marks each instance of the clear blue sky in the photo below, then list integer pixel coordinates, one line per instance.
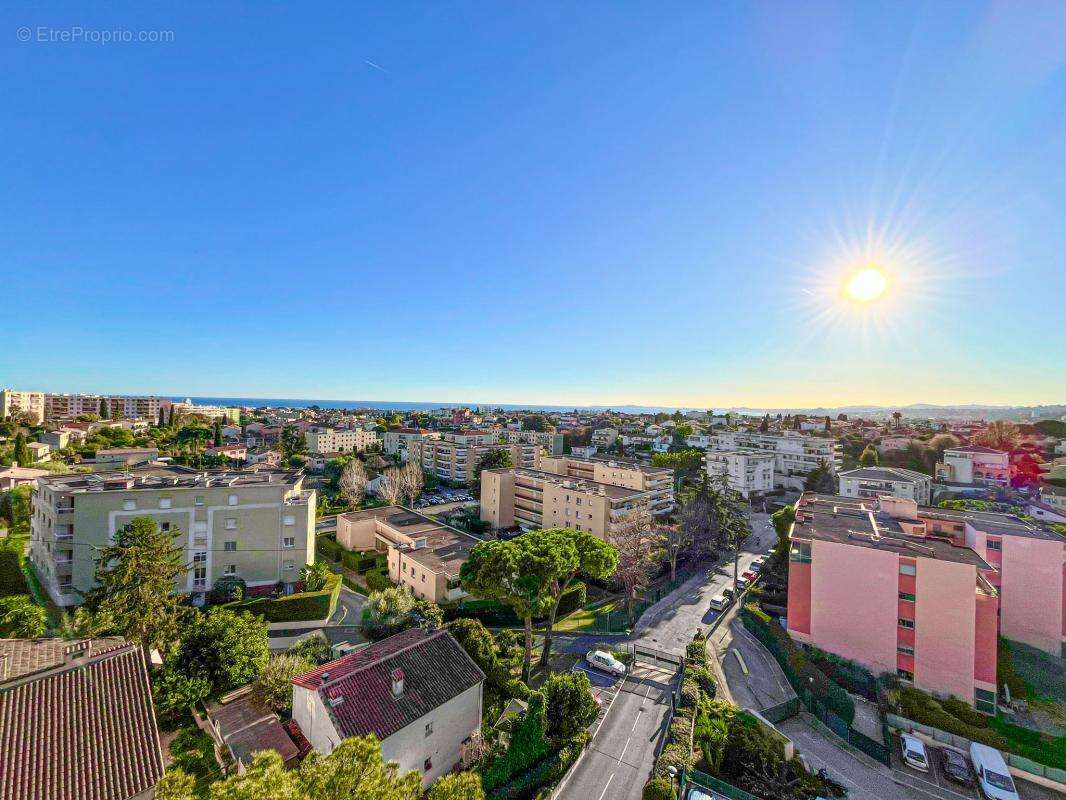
(537, 202)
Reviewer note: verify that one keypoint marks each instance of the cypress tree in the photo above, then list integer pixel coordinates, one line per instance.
(21, 453)
(105, 412)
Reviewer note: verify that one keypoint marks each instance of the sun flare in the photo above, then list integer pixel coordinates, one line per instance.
(866, 285)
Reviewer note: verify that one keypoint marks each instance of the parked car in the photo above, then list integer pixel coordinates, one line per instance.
(758, 563)
(913, 751)
(603, 660)
(719, 602)
(992, 774)
(727, 594)
(955, 766)
(742, 584)
(748, 575)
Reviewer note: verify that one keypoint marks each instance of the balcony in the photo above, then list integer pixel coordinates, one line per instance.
(64, 533)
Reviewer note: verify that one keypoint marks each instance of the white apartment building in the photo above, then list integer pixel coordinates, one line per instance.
(69, 406)
(225, 413)
(398, 441)
(974, 464)
(339, 440)
(604, 437)
(796, 454)
(455, 457)
(746, 472)
(259, 526)
(552, 442)
(873, 482)
(658, 482)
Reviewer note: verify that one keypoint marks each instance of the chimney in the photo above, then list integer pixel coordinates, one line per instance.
(397, 682)
(76, 651)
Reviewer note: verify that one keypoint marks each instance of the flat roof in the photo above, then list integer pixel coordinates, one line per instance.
(608, 490)
(885, 474)
(446, 548)
(853, 521)
(168, 477)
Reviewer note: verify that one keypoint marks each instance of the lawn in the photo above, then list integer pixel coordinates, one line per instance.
(585, 619)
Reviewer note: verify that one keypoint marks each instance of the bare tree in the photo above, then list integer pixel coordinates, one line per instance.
(353, 482)
(637, 544)
(410, 479)
(674, 540)
(389, 486)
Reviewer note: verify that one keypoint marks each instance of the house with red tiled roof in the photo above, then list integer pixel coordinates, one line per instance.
(418, 692)
(76, 721)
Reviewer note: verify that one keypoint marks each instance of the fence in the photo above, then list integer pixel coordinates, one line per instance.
(714, 784)
(880, 751)
(617, 620)
(781, 711)
(962, 743)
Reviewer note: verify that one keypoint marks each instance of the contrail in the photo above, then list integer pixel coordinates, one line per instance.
(375, 66)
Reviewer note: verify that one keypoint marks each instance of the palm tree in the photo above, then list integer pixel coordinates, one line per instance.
(898, 417)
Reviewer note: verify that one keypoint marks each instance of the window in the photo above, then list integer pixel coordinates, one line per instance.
(907, 597)
(289, 565)
(164, 527)
(233, 499)
(423, 577)
(127, 505)
(288, 519)
(907, 569)
(199, 500)
(995, 544)
(289, 542)
(985, 700)
(199, 557)
(906, 623)
(800, 552)
(429, 729)
(164, 502)
(231, 569)
(905, 674)
(231, 523)
(229, 547)
(905, 649)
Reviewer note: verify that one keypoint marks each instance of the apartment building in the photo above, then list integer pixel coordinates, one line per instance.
(259, 526)
(871, 582)
(658, 482)
(530, 499)
(398, 441)
(604, 437)
(873, 482)
(974, 464)
(31, 403)
(552, 442)
(339, 440)
(69, 406)
(224, 413)
(424, 555)
(455, 457)
(748, 473)
(796, 455)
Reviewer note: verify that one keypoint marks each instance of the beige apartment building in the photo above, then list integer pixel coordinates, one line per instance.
(455, 457)
(530, 498)
(658, 482)
(424, 555)
(398, 441)
(339, 440)
(70, 406)
(259, 526)
(30, 402)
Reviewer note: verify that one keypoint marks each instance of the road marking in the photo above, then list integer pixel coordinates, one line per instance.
(606, 787)
(624, 749)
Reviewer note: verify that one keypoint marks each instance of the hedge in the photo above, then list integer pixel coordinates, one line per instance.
(295, 607)
(547, 771)
(493, 613)
(659, 789)
(377, 581)
(329, 548)
(12, 579)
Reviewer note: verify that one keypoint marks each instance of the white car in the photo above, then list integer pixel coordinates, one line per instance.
(719, 602)
(606, 662)
(914, 754)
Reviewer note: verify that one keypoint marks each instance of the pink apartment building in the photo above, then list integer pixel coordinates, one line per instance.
(870, 581)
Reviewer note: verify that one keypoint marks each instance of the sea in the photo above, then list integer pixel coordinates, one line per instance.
(406, 405)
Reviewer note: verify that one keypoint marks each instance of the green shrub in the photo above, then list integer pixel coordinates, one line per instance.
(546, 772)
(659, 789)
(964, 711)
(573, 598)
(705, 679)
(690, 692)
(377, 581)
(696, 652)
(674, 755)
(1006, 674)
(329, 548)
(295, 607)
(12, 580)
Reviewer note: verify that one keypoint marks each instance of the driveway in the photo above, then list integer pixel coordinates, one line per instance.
(349, 608)
(624, 747)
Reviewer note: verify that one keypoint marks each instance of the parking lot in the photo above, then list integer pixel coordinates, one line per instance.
(935, 781)
(437, 500)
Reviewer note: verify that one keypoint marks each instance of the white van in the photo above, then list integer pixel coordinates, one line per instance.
(992, 774)
(719, 602)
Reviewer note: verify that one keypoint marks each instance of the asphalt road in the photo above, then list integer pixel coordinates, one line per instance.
(623, 750)
(349, 609)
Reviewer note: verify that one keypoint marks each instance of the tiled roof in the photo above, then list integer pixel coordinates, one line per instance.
(435, 669)
(80, 731)
(20, 657)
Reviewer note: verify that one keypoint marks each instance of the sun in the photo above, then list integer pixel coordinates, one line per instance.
(866, 285)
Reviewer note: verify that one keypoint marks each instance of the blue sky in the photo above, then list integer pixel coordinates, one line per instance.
(649, 203)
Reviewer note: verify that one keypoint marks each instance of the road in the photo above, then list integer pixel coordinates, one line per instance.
(349, 609)
(624, 747)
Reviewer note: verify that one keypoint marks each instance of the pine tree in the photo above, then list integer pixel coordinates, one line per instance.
(21, 453)
(218, 432)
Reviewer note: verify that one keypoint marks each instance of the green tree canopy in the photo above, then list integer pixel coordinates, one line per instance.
(274, 683)
(21, 618)
(225, 647)
(480, 645)
(457, 786)
(869, 457)
(136, 576)
(496, 458)
(571, 707)
(20, 453)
